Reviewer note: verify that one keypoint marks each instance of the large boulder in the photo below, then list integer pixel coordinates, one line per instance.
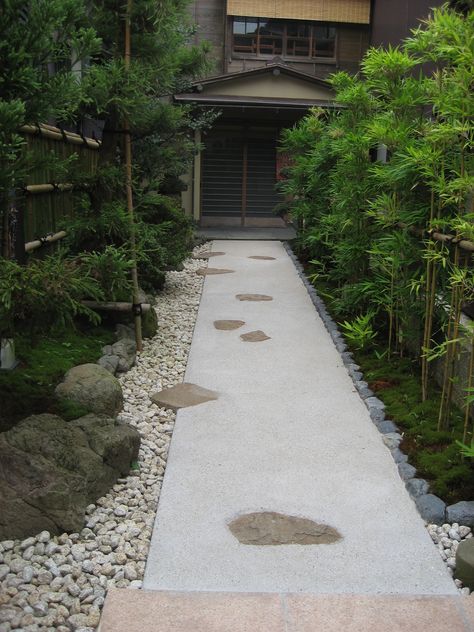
(462, 513)
(94, 387)
(50, 470)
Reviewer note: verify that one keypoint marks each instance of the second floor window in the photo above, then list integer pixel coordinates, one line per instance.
(294, 39)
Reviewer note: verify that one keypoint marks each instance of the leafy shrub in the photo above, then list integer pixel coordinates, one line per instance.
(111, 269)
(359, 332)
(45, 294)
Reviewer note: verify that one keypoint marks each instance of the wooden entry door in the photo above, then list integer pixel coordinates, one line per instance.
(239, 175)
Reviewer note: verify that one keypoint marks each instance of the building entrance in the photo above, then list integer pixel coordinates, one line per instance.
(239, 177)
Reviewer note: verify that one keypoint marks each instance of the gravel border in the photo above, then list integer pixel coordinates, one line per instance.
(59, 584)
(432, 509)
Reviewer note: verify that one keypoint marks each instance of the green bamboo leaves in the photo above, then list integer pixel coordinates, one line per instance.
(370, 223)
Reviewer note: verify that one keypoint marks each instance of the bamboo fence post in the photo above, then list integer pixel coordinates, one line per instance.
(128, 172)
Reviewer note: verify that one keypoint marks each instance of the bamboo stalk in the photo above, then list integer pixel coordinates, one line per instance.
(49, 239)
(114, 306)
(453, 327)
(430, 292)
(390, 322)
(129, 190)
(469, 387)
(459, 297)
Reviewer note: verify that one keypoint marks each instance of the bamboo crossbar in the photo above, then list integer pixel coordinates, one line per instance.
(114, 306)
(34, 189)
(49, 239)
(54, 133)
(464, 244)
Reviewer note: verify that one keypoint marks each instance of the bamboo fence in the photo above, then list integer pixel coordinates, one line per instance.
(44, 203)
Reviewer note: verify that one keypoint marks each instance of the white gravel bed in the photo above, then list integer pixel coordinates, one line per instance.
(447, 538)
(58, 584)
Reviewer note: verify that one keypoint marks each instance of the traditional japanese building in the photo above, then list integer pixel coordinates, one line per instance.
(271, 62)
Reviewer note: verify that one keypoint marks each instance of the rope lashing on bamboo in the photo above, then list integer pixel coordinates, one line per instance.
(34, 189)
(56, 133)
(42, 241)
(464, 244)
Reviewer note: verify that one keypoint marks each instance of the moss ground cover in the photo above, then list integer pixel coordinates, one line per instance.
(30, 387)
(434, 453)
(397, 382)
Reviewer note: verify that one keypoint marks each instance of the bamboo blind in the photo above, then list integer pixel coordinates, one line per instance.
(349, 11)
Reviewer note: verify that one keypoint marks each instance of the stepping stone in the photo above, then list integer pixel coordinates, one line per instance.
(182, 396)
(255, 336)
(253, 297)
(207, 271)
(228, 325)
(262, 258)
(208, 255)
(268, 528)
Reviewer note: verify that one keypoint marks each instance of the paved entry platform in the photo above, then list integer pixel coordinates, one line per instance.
(247, 233)
(144, 611)
(288, 434)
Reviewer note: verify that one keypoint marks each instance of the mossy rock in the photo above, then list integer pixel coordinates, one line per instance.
(92, 386)
(52, 469)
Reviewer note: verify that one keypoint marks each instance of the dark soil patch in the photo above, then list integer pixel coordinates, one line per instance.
(379, 385)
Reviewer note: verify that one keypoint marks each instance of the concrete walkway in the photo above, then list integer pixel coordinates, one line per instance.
(288, 434)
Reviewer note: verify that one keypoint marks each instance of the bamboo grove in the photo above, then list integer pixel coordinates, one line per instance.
(383, 192)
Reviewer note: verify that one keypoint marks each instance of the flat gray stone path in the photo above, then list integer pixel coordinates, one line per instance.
(288, 434)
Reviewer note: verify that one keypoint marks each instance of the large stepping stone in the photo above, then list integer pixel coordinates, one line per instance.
(262, 258)
(255, 336)
(209, 271)
(182, 396)
(268, 528)
(208, 255)
(228, 325)
(253, 297)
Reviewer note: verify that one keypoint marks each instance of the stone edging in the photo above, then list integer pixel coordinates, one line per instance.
(431, 508)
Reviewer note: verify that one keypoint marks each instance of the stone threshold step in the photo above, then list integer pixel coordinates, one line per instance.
(129, 610)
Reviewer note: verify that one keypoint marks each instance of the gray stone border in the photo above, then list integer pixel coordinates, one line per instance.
(431, 508)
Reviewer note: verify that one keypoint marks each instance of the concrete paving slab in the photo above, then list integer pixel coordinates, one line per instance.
(288, 434)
